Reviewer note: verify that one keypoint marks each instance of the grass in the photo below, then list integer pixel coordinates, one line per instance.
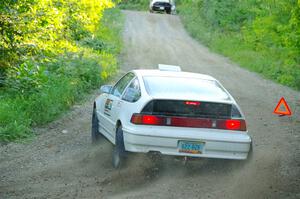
(64, 80)
(140, 5)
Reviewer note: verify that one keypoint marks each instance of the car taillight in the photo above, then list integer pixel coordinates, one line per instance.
(226, 124)
(147, 119)
(232, 124)
(152, 120)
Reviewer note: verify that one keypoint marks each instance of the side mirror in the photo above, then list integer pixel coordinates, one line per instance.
(105, 88)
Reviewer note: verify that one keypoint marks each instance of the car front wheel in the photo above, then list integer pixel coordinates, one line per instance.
(118, 156)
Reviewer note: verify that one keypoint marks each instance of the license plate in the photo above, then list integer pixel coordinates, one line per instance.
(161, 8)
(190, 147)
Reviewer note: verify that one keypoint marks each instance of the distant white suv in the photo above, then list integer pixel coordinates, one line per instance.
(167, 6)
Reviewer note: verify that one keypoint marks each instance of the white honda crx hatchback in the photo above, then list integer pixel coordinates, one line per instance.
(170, 112)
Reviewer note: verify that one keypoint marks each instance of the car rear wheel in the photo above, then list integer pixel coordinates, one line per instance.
(95, 134)
(118, 156)
(250, 153)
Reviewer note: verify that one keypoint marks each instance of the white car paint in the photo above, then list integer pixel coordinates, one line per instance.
(226, 144)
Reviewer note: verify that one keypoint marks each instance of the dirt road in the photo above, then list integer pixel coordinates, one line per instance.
(61, 162)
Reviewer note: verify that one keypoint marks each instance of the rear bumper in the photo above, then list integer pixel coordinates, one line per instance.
(218, 144)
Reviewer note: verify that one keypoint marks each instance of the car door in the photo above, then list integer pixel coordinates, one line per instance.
(112, 105)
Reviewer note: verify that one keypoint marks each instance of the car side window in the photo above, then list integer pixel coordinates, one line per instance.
(133, 92)
(122, 84)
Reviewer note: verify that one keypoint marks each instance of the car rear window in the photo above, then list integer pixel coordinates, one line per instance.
(186, 109)
(163, 85)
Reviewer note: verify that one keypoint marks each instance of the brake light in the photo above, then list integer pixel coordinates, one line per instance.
(147, 119)
(193, 103)
(232, 124)
(151, 120)
(229, 124)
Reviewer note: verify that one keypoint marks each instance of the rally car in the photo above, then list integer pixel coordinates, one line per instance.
(170, 112)
(167, 6)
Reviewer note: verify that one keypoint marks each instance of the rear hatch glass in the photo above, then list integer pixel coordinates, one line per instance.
(182, 87)
(188, 109)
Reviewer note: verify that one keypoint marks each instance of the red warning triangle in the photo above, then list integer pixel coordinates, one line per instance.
(282, 108)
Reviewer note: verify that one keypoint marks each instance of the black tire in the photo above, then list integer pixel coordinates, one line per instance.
(95, 135)
(119, 153)
(250, 153)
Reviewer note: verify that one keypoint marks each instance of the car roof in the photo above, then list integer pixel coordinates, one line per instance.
(207, 91)
(159, 73)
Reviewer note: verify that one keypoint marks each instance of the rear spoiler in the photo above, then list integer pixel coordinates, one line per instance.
(164, 67)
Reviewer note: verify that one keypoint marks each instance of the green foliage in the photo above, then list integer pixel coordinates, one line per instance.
(134, 4)
(14, 123)
(50, 26)
(43, 82)
(263, 36)
(26, 78)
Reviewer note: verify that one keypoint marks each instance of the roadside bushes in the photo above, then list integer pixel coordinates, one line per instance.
(52, 53)
(134, 4)
(263, 36)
